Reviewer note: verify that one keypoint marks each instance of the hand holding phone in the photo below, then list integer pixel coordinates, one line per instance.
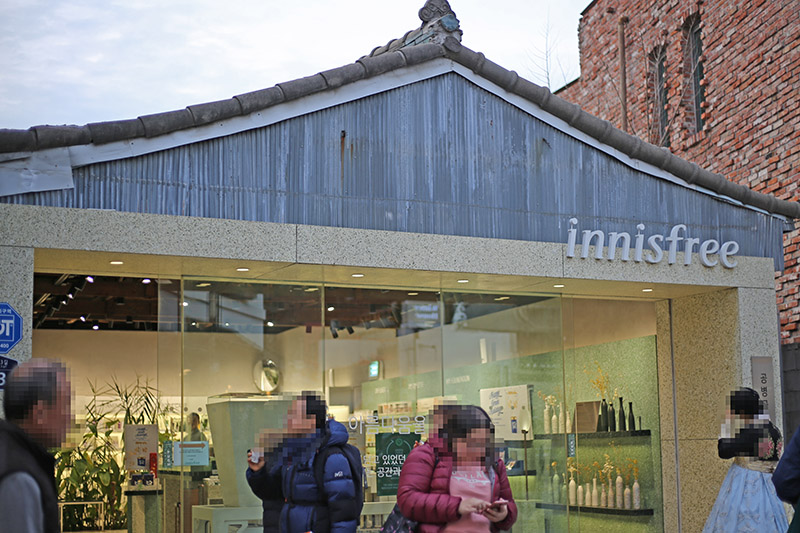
(497, 511)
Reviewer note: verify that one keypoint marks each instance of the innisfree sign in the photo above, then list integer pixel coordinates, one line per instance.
(710, 251)
(10, 327)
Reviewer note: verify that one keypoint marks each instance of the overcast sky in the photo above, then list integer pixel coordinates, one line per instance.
(81, 61)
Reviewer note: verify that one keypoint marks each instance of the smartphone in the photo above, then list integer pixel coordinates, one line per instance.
(498, 504)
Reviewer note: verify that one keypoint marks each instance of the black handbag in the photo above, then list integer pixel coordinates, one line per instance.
(397, 523)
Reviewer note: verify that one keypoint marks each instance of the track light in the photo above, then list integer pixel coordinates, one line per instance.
(95, 325)
(350, 330)
(334, 333)
(90, 279)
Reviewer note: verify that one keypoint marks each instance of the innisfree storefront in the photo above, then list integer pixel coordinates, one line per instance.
(394, 234)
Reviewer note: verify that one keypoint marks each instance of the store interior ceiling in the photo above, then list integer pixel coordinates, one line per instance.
(128, 303)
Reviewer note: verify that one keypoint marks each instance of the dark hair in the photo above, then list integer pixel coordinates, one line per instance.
(30, 384)
(315, 406)
(745, 401)
(459, 421)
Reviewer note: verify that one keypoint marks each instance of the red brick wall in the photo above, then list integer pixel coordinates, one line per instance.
(751, 66)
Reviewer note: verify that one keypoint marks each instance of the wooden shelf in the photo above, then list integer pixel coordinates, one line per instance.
(595, 510)
(595, 435)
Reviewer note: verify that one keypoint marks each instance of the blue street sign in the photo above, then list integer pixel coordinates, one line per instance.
(10, 328)
(6, 366)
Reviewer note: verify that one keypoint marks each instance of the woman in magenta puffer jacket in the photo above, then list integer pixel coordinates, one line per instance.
(454, 483)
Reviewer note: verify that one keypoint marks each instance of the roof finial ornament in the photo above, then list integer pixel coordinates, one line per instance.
(434, 9)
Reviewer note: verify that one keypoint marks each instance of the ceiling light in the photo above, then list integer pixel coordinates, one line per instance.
(204, 284)
(647, 290)
(270, 323)
(194, 323)
(558, 286)
(413, 293)
(501, 298)
(83, 318)
(115, 263)
(90, 279)
(463, 281)
(96, 325)
(186, 304)
(312, 289)
(350, 330)
(129, 320)
(242, 269)
(146, 281)
(357, 275)
(331, 308)
(227, 324)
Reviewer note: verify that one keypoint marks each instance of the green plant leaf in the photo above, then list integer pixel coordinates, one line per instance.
(105, 478)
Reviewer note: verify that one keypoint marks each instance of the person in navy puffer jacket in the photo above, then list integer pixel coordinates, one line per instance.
(284, 476)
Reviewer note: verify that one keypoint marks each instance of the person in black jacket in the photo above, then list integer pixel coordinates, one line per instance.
(283, 475)
(786, 477)
(38, 413)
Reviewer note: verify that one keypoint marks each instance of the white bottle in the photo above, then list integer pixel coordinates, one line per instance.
(546, 418)
(580, 494)
(627, 497)
(568, 423)
(604, 497)
(610, 493)
(637, 496)
(619, 492)
(556, 488)
(554, 422)
(588, 495)
(562, 423)
(595, 494)
(573, 488)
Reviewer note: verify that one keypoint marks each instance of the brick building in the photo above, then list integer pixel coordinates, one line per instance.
(716, 82)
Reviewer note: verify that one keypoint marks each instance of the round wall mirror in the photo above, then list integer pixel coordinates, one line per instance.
(266, 375)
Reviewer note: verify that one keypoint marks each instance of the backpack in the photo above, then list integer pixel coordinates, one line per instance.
(353, 457)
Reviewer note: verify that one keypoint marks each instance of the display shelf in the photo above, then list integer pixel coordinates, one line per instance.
(594, 435)
(595, 510)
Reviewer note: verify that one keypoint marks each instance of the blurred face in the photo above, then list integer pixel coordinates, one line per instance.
(471, 451)
(298, 422)
(52, 421)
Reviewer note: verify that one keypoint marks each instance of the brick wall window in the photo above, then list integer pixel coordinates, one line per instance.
(657, 96)
(694, 92)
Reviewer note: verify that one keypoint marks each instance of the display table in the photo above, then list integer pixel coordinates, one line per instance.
(144, 510)
(218, 518)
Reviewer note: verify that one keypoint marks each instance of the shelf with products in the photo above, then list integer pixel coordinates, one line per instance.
(595, 510)
(595, 435)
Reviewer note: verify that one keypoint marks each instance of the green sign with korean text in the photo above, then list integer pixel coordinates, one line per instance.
(391, 450)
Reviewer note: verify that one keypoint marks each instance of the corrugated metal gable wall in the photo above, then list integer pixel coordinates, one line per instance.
(438, 156)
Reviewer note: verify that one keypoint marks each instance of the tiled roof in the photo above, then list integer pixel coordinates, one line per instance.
(416, 47)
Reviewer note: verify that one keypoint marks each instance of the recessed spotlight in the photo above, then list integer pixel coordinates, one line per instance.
(204, 284)
(242, 269)
(357, 275)
(463, 281)
(558, 286)
(83, 318)
(227, 324)
(331, 308)
(194, 323)
(270, 324)
(647, 290)
(115, 263)
(96, 325)
(413, 293)
(90, 279)
(501, 298)
(186, 304)
(146, 281)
